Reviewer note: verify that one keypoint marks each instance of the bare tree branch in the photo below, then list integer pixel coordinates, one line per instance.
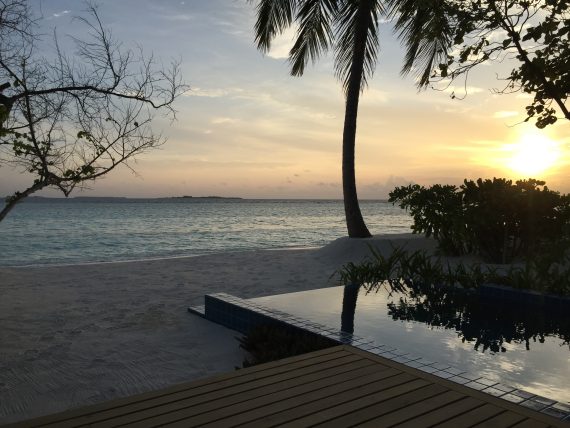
(71, 121)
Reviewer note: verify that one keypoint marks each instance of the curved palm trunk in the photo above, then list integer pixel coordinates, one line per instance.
(349, 299)
(354, 221)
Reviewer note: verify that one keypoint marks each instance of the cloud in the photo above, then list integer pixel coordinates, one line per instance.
(462, 90)
(221, 120)
(60, 14)
(283, 43)
(375, 96)
(179, 17)
(504, 113)
(208, 93)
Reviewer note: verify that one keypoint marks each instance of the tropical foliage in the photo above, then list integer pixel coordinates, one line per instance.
(445, 40)
(496, 219)
(400, 269)
(351, 29)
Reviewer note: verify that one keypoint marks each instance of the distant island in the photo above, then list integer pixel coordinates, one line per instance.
(122, 198)
(203, 197)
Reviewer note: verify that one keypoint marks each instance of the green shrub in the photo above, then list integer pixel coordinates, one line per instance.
(495, 219)
(266, 343)
(402, 269)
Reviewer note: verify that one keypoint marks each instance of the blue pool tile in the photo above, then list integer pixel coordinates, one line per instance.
(389, 355)
(552, 411)
(377, 351)
(562, 406)
(413, 357)
(401, 359)
(494, 391)
(470, 376)
(428, 369)
(443, 374)
(524, 394)
(543, 400)
(367, 346)
(414, 364)
(486, 381)
(459, 379)
(476, 385)
(504, 388)
(440, 366)
(534, 405)
(512, 398)
(454, 371)
(425, 361)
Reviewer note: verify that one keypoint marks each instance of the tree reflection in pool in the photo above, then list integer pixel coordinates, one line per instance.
(489, 323)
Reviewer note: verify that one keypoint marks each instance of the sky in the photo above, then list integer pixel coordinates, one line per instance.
(246, 128)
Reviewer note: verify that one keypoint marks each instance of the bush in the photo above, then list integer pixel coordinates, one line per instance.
(402, 269)
(267, 343)
(495, 219)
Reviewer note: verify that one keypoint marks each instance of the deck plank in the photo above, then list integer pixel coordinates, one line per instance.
(337, 387)
(284, 401)
(218, 406)
(105, 411)
(442, 414)
(400, 409)
(503, 420)
(529, 423)
(243, 390)
(472, 417)
(391, 399)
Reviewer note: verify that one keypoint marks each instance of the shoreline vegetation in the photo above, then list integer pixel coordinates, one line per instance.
(519, 234)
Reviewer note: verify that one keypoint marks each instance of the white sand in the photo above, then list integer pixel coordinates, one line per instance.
(76, 335)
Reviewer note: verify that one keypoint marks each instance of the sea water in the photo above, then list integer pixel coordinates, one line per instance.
(82, 230)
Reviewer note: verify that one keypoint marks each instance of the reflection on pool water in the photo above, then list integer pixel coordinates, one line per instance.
(526, 346)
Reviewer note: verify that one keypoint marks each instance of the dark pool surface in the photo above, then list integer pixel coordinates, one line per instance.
(525, 346)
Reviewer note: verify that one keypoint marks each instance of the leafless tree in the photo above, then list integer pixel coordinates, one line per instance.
(68, 120)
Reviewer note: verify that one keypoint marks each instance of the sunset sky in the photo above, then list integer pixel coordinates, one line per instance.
(247, 128)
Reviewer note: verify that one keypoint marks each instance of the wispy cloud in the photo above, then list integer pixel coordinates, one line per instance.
(221, 120)
(283, 43)
(60, 14)
(212, 92)
(504, 114)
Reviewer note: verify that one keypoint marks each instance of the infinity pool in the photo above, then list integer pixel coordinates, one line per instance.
(526, 346)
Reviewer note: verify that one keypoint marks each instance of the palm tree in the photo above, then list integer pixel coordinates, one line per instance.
(425, 29)
(351, 28)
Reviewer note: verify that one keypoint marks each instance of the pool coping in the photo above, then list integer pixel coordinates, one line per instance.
(242, 315)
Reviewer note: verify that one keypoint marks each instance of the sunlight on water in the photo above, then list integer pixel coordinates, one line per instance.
(72, 231)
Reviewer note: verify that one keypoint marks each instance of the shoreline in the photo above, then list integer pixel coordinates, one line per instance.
(157, 258)
(81, 334)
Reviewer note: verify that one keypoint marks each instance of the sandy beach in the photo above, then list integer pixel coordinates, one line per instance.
(81, 334)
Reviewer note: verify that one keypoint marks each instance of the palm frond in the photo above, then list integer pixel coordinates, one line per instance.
(424, 29)
(273, 16)
(356, 31)
(315, 33)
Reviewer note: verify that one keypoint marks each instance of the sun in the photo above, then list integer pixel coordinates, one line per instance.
(534, 153)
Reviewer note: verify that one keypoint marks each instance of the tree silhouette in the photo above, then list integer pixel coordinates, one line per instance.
(351, 29)
(449, 38)
(67, 121)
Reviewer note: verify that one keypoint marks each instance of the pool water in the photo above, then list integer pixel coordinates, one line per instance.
(523, 345)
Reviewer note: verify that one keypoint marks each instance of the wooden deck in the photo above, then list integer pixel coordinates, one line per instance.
(336, 387)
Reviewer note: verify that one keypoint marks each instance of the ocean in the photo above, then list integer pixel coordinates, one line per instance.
(44, 231)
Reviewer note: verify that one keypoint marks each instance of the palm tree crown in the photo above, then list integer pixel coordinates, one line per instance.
(350, 27)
